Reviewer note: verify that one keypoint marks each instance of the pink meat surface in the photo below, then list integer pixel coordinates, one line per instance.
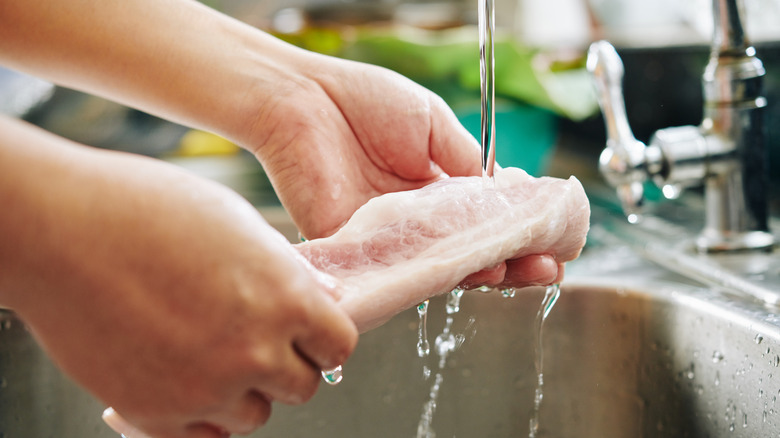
(402, 248)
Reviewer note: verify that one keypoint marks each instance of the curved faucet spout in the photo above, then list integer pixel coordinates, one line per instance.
(726, 152)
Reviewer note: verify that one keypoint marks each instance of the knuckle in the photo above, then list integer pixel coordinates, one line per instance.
(258, 415)
(301, 386)
(263, 361)
(309, 387)
(349, 342)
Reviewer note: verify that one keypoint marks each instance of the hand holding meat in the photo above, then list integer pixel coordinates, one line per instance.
(402, 248)
(181, 307)
(367, 143)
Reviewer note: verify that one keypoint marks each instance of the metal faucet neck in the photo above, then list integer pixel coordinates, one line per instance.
(726, 153)
(728, 31)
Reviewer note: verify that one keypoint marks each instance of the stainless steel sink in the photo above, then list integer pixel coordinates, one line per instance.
(630, 350)
(618, 362)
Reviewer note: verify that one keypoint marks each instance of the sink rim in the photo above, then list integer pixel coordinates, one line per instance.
(718, 302)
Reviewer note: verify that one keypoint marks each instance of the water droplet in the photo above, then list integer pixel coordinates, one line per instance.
(744, 420)
(334, 376)
(717, 356)
(6, 324)
(485, 289)
(508, 292)
(689, 372)
(776, 361)
(446, 342)
(551, 295)
(423, 347)
(759, 338)
(453, 301)
(717, 379)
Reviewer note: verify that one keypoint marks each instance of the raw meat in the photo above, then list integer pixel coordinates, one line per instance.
(402, 248)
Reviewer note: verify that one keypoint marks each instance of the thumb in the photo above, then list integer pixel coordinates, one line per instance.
(452, 147)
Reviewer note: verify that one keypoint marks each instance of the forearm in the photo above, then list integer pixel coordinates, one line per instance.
(173, 58)
(35, 176)
(68, 210)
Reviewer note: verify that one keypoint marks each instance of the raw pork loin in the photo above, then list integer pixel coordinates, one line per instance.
(402, 248)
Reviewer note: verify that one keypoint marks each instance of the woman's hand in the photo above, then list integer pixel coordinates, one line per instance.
(165, 295)
(338, 133)
(346, 132)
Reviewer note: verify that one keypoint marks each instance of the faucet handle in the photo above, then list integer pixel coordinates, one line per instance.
(623, 162)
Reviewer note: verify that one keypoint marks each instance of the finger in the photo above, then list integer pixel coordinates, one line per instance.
(204, 430)
(452, 147)
(534, 270)
(120, 425)
(559, 278)
(250, 411)
(127, 430)
(288, 377)
(489, 276)
(330, 338)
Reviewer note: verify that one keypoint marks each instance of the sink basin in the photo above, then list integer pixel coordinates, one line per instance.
(621, 359)
(668, 361)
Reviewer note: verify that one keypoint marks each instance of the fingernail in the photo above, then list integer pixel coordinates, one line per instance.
(120, 425)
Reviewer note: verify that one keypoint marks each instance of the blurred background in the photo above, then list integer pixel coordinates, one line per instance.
(545, 108)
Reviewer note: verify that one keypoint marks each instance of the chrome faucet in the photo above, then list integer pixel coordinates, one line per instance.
(726, 152)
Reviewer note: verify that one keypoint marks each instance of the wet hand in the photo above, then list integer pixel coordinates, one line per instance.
(534, 270)
(345, 132)
(166, 296)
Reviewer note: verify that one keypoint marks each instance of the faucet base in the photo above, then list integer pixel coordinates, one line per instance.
(710, 241)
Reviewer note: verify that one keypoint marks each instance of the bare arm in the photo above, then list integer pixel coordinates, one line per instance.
(174, 58)
(329, 132)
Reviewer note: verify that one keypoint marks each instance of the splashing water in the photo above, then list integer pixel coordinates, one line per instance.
(446, 343)
(424, 429)
(550, 297)
(453, 301)
(423, 346)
